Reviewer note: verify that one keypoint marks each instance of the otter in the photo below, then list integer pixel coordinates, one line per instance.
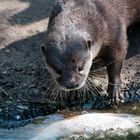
(81, 31)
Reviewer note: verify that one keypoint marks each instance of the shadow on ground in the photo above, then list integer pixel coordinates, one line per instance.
(35, 12)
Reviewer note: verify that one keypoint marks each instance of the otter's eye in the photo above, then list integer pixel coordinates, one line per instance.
(57, 70)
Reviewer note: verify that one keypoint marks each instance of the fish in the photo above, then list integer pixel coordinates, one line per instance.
(88, 124)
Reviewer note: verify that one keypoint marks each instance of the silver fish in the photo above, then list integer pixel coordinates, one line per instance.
(90, 123)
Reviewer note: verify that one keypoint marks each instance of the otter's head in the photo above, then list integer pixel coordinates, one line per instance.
(68, 62)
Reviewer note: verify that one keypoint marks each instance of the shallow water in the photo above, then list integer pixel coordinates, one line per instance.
(34, 129)
(29, 131)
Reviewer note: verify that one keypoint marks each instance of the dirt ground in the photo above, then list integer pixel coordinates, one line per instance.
(23, 74)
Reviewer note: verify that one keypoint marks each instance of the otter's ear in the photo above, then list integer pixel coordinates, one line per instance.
(89, 43)
(43, 48)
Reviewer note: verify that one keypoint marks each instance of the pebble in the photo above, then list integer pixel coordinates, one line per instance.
(22, 107)
(138, 91)
(18, 117)
(7, 51)
(4, 72)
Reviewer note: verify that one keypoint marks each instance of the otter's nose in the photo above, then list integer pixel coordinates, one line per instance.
(72, 86)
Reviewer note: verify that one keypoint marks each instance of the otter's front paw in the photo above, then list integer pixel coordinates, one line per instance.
(114, 95)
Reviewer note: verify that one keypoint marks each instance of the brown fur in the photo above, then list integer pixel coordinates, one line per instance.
(106, 22)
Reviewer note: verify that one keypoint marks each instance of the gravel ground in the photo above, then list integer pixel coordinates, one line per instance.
(23, 76)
